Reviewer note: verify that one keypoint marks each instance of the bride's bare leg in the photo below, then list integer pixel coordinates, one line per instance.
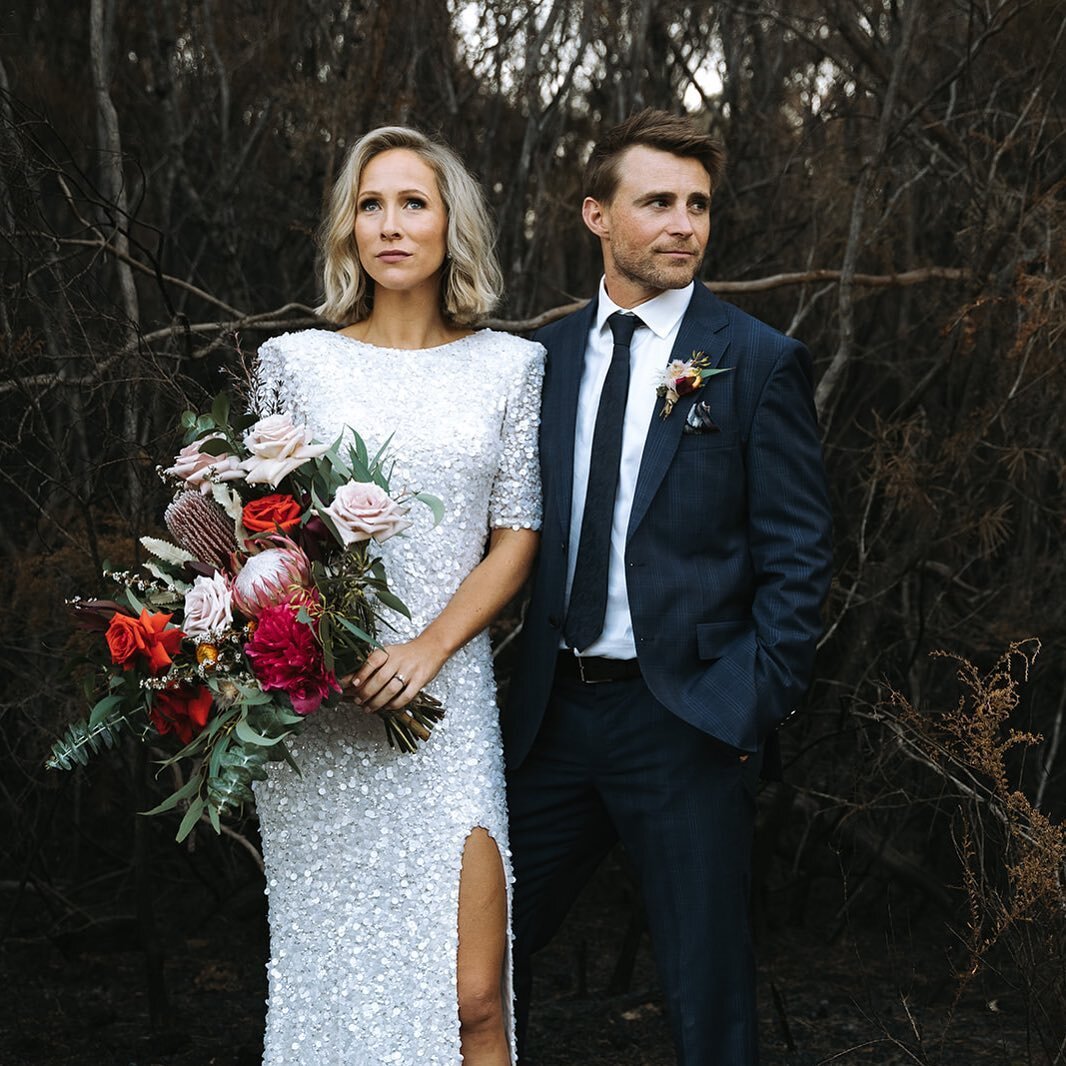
(482, 949)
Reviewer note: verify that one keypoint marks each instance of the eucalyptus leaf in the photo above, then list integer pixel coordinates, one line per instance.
(192, 816)
(183, 793)
(243, 422)
(248, 735)
(134, 602)
(360, 633)
(216, 446)
(392, 600)
(434, 503)
(104, 708)
(220, 409)
(218, 750)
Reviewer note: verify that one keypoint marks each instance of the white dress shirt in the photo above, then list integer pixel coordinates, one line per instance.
(649, 352)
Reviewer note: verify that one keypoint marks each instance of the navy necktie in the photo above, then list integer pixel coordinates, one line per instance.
(588, 593)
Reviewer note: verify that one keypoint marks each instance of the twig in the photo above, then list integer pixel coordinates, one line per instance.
(771, 281)
(244, 842)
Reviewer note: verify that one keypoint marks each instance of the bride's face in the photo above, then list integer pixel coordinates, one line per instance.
(401, 223)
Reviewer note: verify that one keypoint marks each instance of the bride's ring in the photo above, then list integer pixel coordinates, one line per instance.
(400, 678)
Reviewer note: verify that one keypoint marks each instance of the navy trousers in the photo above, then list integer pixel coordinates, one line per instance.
(611, 763)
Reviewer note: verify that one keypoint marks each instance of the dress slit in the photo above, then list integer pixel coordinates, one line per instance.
(506, 974)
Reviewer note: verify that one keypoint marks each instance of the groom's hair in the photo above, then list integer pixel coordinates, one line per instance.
(653, 129)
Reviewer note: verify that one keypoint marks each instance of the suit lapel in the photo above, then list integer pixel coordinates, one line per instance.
(702, 330)
(560, 413)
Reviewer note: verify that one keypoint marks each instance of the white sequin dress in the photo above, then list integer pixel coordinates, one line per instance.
(363, 850)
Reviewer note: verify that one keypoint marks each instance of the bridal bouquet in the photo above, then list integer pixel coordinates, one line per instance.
(240, 627)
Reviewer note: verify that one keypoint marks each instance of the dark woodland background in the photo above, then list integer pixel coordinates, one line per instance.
(896, 197)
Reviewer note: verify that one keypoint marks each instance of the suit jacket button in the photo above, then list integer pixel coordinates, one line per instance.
(553, 621)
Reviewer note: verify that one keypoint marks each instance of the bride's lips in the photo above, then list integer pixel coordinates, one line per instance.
(393, 256)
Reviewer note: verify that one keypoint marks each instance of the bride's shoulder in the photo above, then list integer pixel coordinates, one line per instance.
(511, 346)
(303, 340)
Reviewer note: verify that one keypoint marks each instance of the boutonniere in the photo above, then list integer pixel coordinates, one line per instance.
(683, 376)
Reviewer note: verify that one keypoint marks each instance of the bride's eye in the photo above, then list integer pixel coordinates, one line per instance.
(368, 205)
(415, 201)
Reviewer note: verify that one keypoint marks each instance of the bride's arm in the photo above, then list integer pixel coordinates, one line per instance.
(487, 589)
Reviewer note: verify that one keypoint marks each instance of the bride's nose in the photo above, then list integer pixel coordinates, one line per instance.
(390, 224)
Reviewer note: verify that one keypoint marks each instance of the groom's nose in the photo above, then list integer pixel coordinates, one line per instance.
(679, 222)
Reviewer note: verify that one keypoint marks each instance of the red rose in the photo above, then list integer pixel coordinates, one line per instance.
(146, 636)
(182, 711)
(125, 639)
(270, 513)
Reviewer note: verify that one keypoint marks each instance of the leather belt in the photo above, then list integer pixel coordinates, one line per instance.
(594, 669)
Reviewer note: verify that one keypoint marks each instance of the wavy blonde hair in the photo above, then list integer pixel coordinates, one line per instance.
(471, 283)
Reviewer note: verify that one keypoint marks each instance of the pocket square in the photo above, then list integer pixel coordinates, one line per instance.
(699, 419)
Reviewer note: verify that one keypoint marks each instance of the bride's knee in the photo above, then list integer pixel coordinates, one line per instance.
(480, 1005)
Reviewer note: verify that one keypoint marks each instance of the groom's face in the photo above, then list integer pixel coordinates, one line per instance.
(654, 230)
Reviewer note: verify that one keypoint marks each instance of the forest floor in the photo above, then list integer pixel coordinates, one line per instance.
(74, 981)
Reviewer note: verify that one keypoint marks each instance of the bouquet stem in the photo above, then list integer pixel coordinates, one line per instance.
(406, 727)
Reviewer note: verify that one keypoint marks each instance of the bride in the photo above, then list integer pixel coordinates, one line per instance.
(388, 874)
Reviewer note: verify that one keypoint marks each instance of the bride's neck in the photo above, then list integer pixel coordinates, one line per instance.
(404, 320)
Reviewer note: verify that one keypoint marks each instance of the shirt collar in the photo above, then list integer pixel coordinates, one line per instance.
(660, 314)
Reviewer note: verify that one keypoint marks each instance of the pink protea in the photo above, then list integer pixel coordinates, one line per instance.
(271, 577)
(285, 656)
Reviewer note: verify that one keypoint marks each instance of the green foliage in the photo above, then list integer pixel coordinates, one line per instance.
(83, 739)
(216, 424)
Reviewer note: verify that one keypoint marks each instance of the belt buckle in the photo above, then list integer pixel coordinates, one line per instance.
(588, 680)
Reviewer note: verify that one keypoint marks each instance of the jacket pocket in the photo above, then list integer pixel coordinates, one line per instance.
(724, 438)
(712, 638)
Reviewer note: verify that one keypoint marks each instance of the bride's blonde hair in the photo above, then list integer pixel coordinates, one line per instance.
(471, 283)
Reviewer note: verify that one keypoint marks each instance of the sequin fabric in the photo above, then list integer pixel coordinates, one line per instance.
(363, 851)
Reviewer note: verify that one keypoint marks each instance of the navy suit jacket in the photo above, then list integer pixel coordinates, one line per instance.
(728, 556)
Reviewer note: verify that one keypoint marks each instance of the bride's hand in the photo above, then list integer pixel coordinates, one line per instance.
(393, 675)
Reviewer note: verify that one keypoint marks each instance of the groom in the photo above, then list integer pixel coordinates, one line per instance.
(684, 559)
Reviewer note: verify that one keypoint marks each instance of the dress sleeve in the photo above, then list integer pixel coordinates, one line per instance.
(515, 499)
(264, 393)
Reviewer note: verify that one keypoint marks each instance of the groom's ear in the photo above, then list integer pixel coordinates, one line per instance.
(595, 217)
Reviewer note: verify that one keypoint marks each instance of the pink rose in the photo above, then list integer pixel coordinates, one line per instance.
(196, 467)
(278, 448)
(208, 606)
(285, 656)
(361, 510)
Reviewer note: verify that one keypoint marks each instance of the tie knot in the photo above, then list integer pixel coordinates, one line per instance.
(622, 327)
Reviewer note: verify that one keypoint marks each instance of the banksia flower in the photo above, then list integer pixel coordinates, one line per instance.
(200, 526)
(271, 577)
